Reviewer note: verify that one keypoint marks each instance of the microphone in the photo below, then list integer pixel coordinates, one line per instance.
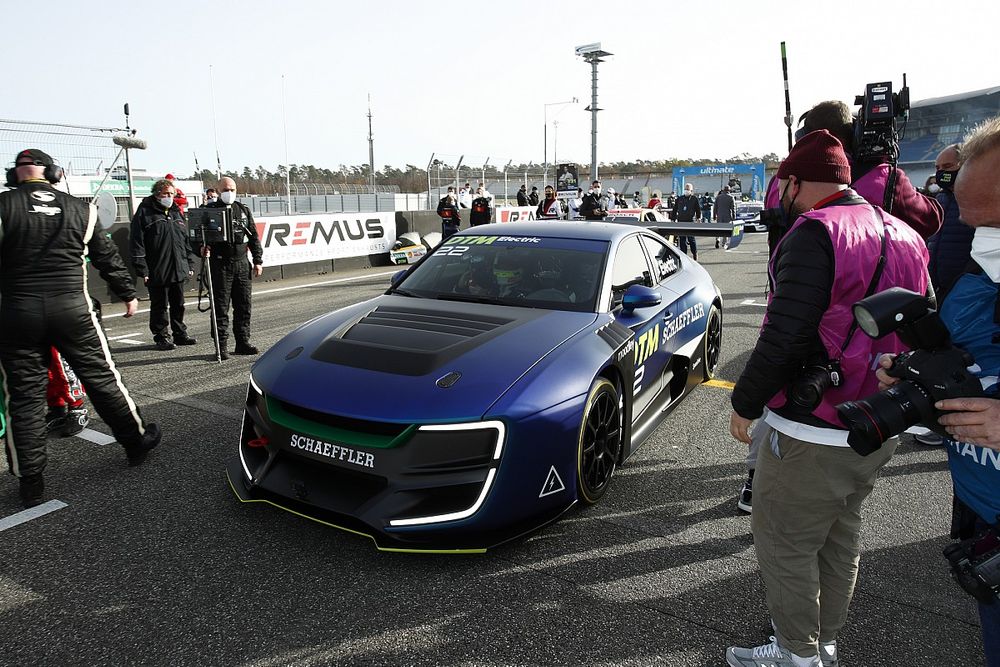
(126, 141)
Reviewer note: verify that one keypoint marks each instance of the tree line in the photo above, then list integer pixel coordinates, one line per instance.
(262, 181)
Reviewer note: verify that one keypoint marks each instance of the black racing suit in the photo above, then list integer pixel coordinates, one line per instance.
(231, 274)
(46, 237)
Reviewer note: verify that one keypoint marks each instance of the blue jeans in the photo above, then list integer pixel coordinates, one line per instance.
(989, 617)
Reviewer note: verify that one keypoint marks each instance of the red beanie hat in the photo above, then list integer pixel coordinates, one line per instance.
(819, 157)
(169, 177)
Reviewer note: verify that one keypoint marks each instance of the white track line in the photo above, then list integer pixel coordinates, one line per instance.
(96, 437)
(751, 302)
(131, 335)
(129, 341)
(194, 302)
(31, 513)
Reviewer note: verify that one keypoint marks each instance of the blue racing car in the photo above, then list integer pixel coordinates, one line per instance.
(497, 383)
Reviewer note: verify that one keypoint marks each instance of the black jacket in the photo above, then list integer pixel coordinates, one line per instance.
(245, 235)
(804, 271)
(590, 207)
(686, 209)
(533, 198)
(159, 243)
(46, 236)
(449, 211)
(522, 198)
(950, 247)
(481, 213)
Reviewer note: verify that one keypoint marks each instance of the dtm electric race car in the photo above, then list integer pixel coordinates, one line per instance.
(499, 381)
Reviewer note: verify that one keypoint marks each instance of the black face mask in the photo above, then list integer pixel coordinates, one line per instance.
(946, 179)
(786, 213)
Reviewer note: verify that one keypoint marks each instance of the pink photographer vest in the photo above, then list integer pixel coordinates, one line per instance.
(855, 232)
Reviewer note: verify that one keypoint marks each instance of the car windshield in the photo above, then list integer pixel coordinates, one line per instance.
(527, 271)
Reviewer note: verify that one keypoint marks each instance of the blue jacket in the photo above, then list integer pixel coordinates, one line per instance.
(968, 314)
(950, 247)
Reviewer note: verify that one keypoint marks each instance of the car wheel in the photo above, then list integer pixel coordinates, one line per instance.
(711, 347)
(600, 441)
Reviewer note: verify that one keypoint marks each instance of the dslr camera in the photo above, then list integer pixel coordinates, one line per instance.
(210, 225)
(932, 371)
(975, 565)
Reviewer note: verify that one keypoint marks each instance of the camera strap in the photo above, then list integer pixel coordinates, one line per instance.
(873, 285)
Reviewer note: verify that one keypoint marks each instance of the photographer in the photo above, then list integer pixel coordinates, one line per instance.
(809, 484)
(164, 260)
(591, 207)
(231, 272)
(971, 312)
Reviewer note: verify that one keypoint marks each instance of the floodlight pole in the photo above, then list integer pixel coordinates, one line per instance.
(593, 57)
(430, 163)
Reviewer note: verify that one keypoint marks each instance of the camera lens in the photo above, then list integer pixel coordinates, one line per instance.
(807, 391)
(873, 420)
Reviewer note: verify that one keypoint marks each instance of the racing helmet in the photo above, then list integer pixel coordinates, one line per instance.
(507, 270)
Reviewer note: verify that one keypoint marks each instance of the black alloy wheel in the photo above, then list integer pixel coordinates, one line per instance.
(712, 346)
(600, 441)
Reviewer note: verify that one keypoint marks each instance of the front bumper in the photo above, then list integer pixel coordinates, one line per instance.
(407, 487)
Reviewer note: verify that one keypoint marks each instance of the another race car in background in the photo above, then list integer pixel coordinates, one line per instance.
(407, 249)
(749, 214)
(497, 383)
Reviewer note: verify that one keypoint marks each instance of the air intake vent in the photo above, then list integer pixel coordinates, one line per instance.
(416, 341)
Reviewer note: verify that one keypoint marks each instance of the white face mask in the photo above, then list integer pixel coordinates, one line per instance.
(166, 202)
(228, 197)
(986, 251)
(933, 188)
(211, 199)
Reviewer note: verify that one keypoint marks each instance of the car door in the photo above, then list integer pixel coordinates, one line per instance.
(631, 267)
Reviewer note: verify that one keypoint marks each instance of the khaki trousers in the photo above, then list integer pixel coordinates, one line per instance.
(806, 530)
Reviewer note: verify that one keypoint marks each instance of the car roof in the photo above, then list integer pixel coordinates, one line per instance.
(592, 231)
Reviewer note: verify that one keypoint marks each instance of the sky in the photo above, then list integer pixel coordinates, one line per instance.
(686, 80)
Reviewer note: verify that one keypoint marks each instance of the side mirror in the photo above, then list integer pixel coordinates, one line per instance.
(396, 277)
(640, 296)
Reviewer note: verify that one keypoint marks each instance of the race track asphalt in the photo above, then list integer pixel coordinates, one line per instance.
(160, 565)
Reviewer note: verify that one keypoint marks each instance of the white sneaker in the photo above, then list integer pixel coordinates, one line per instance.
(768, 655)
(931, 439)
(828, 654)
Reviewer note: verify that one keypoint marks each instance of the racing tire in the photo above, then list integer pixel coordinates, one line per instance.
(599, 444)
(711, 346)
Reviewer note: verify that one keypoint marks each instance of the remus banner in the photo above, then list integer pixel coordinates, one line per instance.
(293, 239)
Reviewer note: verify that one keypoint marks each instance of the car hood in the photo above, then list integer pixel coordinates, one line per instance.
(404, 359)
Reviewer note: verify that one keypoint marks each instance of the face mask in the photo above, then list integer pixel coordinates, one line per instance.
(228, 197)
(946, 179)
(933, 188)
(166, 202)
(986, 251)
(787, 213)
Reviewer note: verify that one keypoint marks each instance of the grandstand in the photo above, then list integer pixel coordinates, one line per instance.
(937, 122)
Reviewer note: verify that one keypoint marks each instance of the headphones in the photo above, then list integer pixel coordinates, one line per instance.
(53, 173)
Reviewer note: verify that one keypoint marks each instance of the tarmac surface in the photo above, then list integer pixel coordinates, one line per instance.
(161, 565)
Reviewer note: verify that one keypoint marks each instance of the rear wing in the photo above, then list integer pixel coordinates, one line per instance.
(731, 230)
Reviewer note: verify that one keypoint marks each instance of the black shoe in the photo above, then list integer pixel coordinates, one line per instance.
(185, 340)
(223, 353)
(245, 349)
(138, 452)
(76, 420)
(165, 344)
(55, 421)
(32, 490)
(745, 502)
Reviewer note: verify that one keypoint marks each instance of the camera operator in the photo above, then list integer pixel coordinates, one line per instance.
(231, 272)
(46, 236)
(164, 260)
(870, 177)
(591, 208)
(809, 484)
(971, 312)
